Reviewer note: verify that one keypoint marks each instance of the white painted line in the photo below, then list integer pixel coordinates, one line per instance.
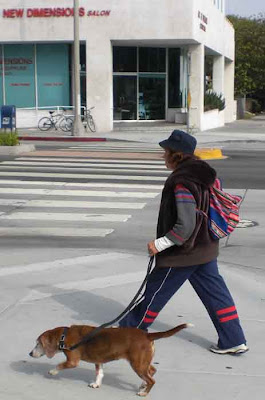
(80, 184)
(76, 193)
(84, 176)
(86, 165)
(54, 232)
(71, 204)
(13, 202)
(114, 150)
(63, 263)
(89, 160)
(42, 216)
(87, 285)
(84, 169)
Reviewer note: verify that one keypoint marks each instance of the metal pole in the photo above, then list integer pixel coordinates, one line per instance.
(78, 127)
(188, 92)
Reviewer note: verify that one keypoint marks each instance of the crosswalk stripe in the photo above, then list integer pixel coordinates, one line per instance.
(71, 204)
(53, 232)
(84, 176)
(89, 165)
(88, 160)
(66, 217)
(84, 169)
(117, 149)
(109, 179)
(86, 193)
(102, 150)
(80, 184)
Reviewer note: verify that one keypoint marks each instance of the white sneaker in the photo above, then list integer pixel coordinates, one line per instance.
(242, 348)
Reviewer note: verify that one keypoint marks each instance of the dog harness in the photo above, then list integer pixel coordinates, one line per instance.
(62, 339)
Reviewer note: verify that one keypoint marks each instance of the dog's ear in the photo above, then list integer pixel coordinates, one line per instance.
(49, 344)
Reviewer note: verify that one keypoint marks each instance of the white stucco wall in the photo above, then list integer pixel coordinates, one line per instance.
(131, 22)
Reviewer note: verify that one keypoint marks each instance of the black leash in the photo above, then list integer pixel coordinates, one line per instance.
(88, 337)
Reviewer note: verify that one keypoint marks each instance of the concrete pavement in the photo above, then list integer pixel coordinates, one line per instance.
(45, 288)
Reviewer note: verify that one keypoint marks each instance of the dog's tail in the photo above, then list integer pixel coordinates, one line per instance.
(160, 335)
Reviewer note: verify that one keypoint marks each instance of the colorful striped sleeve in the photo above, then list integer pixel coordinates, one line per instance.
(186, 216)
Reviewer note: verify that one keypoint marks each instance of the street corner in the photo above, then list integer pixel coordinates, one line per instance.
(210, 154)
(16, 150)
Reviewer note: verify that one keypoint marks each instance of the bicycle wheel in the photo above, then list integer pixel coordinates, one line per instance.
(66, 124)
(45, 124)
(91, 123)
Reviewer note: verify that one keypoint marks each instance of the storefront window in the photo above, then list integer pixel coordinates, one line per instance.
(124, 59)
(140, 81)
(19, 75)
(152, 59)
(174, 93)
(53, 75)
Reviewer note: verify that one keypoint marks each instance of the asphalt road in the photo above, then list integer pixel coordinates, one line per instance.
(242, 169)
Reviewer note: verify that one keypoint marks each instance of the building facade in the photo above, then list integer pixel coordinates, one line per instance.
(139, 60)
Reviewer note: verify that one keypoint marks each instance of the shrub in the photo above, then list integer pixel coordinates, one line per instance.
(8, 138)
(213, 100)
(255, 106)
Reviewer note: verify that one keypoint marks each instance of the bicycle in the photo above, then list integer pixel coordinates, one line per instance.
(89, 120)
(53, 121)
(86, 118)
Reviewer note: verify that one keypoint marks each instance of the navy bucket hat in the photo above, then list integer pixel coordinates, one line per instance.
(180, 141)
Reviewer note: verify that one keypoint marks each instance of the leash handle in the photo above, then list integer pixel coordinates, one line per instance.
(88, 337)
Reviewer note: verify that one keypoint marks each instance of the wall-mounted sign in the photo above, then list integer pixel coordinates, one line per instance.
(203, 21)
(52, 12)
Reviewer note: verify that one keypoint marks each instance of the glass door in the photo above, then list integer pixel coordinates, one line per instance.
(151, 98)
(124, 97)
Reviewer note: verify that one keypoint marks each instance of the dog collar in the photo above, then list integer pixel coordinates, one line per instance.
(62, 338)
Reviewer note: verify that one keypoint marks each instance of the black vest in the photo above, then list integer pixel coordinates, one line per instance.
(200, 248)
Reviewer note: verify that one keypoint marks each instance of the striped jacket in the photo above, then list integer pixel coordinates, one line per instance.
(189, 183)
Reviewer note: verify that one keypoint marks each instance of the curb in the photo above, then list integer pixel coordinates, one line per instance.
(203, 153)
(15, 150)
(210, 154)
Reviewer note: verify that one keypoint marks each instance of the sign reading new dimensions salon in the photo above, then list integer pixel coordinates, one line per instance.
(52, 12)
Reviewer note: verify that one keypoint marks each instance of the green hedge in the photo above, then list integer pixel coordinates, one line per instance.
(8, 138)
(213, 100)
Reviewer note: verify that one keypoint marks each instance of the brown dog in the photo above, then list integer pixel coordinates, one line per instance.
(110, 344)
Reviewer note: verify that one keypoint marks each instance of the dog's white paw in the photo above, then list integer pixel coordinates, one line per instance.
(53, 372)
(142, 394)
(143, 387)
(94, 385)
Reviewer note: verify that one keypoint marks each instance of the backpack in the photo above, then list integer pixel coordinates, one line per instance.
(223, 213)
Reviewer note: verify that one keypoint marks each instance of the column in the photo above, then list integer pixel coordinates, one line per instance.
(196, 85)
(99, 82)
(218, 74)
(230, 109)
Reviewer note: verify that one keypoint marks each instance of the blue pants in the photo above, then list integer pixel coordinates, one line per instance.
(205, 279)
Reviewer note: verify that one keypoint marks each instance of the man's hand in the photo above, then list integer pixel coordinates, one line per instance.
(152, 250)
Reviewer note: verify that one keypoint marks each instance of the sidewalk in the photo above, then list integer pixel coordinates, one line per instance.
(42, 288)
(243, 134)
(184, 365)
(247, 131)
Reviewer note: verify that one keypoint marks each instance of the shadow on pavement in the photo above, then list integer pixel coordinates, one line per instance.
(90, 308)
(85, 375)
